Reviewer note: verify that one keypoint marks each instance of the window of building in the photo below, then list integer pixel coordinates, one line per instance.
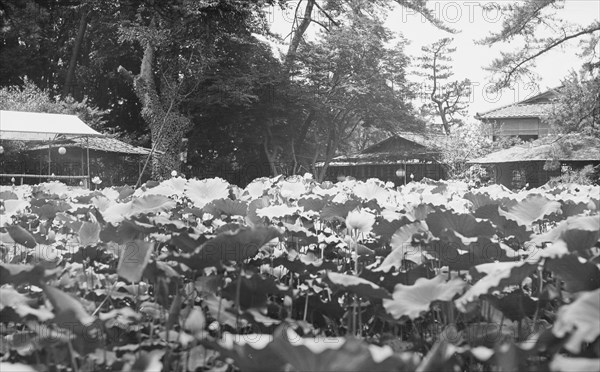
(527, 128)
(518, 179)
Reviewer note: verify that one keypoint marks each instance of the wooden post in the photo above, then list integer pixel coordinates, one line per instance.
(82, 167)
(87, 141)
(49, 157)
(496, 173)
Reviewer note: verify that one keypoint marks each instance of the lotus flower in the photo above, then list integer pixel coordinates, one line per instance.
(360, 221)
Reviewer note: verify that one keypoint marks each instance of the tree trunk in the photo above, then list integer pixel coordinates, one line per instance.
(297, 35)
(272, 152)
(300, 26)
(329, 152)
(304, 130)
(442, 114)
(167, 127)
(69, 87)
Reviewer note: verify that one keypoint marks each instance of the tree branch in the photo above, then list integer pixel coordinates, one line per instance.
(420, 6)
(512, 70)
(326, 14)
(298, 34)
(510, 30)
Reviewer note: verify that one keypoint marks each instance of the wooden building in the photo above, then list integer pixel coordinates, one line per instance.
(535, 162)
(113, 161)
(544, 155)
(523, 119)
(394, 159)
(46, 146)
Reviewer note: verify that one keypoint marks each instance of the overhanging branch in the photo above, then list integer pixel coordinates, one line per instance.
(519, 65)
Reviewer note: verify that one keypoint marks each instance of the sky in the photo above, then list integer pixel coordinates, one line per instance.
(470, 59)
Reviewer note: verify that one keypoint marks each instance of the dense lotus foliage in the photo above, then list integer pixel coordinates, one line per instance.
(290, 274)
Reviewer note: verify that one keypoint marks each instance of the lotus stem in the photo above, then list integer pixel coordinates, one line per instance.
(305, 307)
(355, 297)
(238, 290)
(540, 287)
(72, 354)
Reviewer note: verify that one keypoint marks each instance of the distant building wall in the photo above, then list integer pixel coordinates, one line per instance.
(387, 172)
(516, 175)
(525, 128)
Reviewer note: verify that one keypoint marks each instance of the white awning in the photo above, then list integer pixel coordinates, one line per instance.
(36, 126)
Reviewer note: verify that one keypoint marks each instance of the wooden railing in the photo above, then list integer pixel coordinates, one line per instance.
(20, 176)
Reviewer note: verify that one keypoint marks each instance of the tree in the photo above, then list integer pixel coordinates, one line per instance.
(333, 10)
(296, 129)
(469, 141)
(239, 100)
(527, 20)
(39, 41)
(167, 126)
(577, 109)
(355, 80)
(76, 50)
(575, 113)
(179, 40)
(29, 97)
(448, 98)
(206, 66)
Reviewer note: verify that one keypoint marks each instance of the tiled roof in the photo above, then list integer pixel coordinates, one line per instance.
(380, 153)
(427, 140)
(566, 148)
(534, 107)
(518, 110)
(433, 141)
(105, 144)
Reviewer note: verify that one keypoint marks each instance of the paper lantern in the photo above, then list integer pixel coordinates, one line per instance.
(400, 173)
(62, 150)
(1, 150)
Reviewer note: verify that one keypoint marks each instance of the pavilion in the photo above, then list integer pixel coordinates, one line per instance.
(62, 147)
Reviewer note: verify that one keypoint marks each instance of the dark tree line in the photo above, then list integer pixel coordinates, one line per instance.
(173, 69)
(167, 70)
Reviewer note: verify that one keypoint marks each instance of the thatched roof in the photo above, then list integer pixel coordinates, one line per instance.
(562, 148)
